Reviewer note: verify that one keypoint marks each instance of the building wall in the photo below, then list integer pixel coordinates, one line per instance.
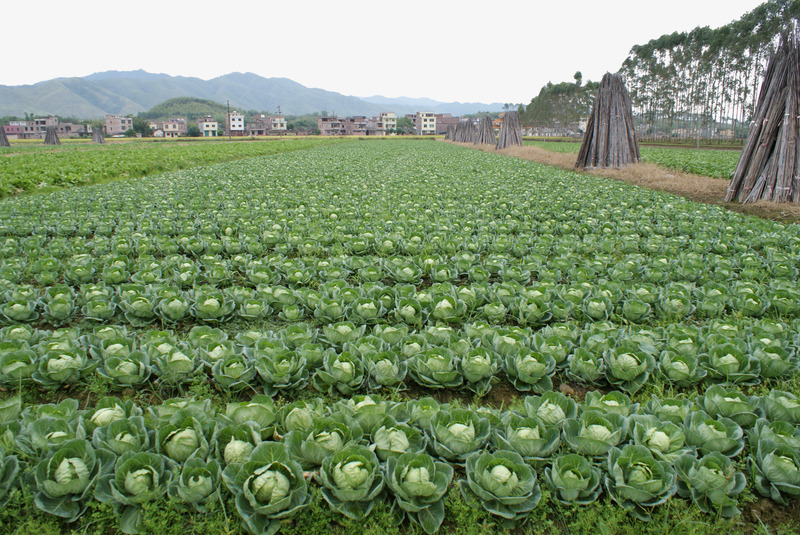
(118, 124)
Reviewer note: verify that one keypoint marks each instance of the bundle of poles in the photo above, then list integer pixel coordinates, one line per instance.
(610, 138)
(510, 132)
(769, 166)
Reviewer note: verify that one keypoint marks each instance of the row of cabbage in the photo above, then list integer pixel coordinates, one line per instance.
(345, 358)
(363, 450)
(531, 305)
(253, 267)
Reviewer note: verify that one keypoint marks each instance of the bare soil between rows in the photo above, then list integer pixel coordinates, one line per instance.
(693, 187)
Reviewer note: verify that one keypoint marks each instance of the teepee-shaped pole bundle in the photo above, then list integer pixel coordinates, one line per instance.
(451, 132)
(510, 132)
(97, 135)
(3, 139)
(769, 166)
(465, 131)
(485, 133)
(610, 139)
(51, 137)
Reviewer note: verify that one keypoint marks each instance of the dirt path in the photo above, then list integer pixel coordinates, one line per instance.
(693, 187)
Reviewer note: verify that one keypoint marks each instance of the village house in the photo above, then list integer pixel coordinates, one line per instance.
(208, 126)
(117, 125)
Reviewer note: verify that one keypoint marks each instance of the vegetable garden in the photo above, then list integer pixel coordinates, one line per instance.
(394, 334)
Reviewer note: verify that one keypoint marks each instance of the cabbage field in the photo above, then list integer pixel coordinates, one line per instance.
(394, 337)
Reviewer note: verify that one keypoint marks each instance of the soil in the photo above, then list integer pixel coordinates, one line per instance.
(765, 512)
(693, 187)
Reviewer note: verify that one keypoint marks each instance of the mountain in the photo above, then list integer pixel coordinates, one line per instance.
(131, 92)
(427, 104)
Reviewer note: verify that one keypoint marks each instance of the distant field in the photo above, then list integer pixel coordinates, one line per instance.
(29, 167)
(705, 162)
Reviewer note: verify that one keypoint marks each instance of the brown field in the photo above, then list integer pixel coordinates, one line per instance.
(693, 187)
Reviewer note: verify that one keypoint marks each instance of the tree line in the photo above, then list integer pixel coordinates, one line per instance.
(701, 84)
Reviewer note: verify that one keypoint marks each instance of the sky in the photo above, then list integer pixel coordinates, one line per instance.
(447, 50)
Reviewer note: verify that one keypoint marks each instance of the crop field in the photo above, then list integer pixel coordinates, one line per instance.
(712, 163)
(27, 167)
(394, 337)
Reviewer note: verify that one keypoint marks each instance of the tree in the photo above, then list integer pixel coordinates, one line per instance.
(193, 131)
(130, 133)
(578, 78)
(142, 126)
(405, 125)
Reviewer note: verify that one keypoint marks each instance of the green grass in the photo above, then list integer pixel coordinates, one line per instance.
(705, 162)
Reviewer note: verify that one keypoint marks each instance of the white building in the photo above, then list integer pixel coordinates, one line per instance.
(208, 126)
(235, 124)
(425, 123)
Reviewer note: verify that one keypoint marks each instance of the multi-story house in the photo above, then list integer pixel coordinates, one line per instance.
(117, 125)
(388, 121)
(424, 123)
(208, 126)
(174, 127)
(266, 126)
(235, 124)
(15, 129)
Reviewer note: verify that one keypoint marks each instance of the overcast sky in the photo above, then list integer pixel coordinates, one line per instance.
(448, 50)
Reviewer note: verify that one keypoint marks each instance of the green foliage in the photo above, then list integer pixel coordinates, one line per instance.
(35, 167)
(189, 107)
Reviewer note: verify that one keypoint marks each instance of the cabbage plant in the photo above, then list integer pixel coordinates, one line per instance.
(268, 488)
(392, 439)
(709, 434)
(503, 483)
(730, 363)
(419, 484)
(198, 484)
(183, 435)
(386, 370)
(66, 479)
(777, 471)
(479, 369)
(712, 482)
(729, 403)
(137, 478)
(435, 368)
(665, 440)
(352, 480)
(123, 435)
(456, 433)
(781, 406)
(9, 469)
(628, 367)
(553, 408)
(573, 479)
(638, 481)
(528, 436)
(341, 373)
(594, 433)
(530, 371)
(325, 437)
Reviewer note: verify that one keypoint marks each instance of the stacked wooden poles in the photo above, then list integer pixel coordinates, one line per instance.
(769, 166)
(485, 134)
(51, 136)
(465, 131)
(97, 135)
(510, 132)
(450, 135)
(610, 139)
(3, 139)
